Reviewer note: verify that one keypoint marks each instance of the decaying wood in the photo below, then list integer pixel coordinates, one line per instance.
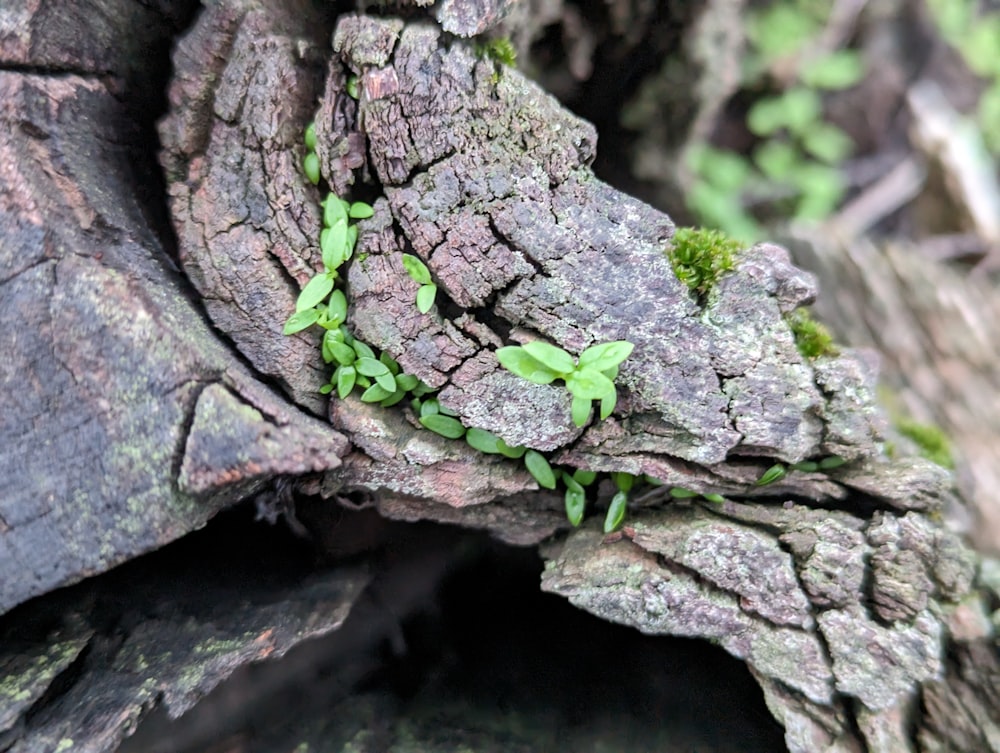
(854, 607)
(125, 422)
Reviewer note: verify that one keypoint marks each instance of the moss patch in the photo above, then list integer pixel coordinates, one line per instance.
(811, 338)
(931, 440)
(700, 257)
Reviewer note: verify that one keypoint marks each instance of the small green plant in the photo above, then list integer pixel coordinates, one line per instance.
(975, 35)
(811, 338)
(931, 440)
(778, 471)
(587, 379)
(700, 257)
(794, 167)
(418, 272)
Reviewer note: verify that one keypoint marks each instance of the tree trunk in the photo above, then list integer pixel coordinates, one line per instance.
(148, 398)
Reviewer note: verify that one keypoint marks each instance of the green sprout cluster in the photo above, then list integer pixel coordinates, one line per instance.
(811, 338)
(587, 379)
(701, 256)
(974, 32)
(500, 50)
(794, 169)
(418, 272)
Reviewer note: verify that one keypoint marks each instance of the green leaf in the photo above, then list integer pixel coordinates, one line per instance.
(362, 349)
(776, 158)
(806, 466)
(771, 475)
(336, 308)
(576, 504)
(517, 361)
(679, 492)
(343, 354)
(333, 244)
(390, 362)
(352, 87)
(837, 70)
(425, 297)
(580, 410)
(375, 394)
(360, 211)
(446, 426)
(796, 109)
(333, 210)
(571, 483)
(372, 368)
(364, 382)
(406, 382)
(589, 384)
(315, 291)
(300, 320)
(388, 382)
(511, 452)
(717, 498)
(310, 166)
(352, 241)
(550, 356)
(422, 389)
(583, 477)
(624, 481)
(539, 467)
(827, 143)
(484, 441)
(430, 407)
(326, 389)
(416, 269)
(390, 401)
(310, 136)
(346, 379)
(445, 411)
(616, 512)
(723, 169)
(608, 404)
(829, 463)
(606, 355)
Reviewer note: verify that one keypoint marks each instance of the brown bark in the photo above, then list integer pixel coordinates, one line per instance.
(139, 417)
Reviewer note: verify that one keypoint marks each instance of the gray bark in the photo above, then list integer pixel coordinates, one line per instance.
(852, 604)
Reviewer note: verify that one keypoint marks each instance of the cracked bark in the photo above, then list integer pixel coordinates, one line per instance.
(853, 606)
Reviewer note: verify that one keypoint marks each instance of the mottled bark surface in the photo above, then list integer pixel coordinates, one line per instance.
(124, 422)
(144, 411)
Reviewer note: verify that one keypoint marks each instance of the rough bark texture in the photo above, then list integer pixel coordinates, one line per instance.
(854, 607)
(129, 423)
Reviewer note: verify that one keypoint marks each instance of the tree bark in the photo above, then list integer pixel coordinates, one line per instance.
(151, 399)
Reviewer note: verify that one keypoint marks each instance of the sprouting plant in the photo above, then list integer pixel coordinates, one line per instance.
(700, 257)
(778, 471)
(794, 169)
(931, 440)
(337, 242)
(811, 338)
(427, 291)
(974, 32)
(589, 378)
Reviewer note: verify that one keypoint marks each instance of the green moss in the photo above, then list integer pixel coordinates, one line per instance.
(811, 338)
(500, 50)
(700, 257)
(931, 440)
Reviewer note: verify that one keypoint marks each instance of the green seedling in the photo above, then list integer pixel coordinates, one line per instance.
(772, 474)
(540, 469)
(589, 378)
(616, 512)
(418, 272)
